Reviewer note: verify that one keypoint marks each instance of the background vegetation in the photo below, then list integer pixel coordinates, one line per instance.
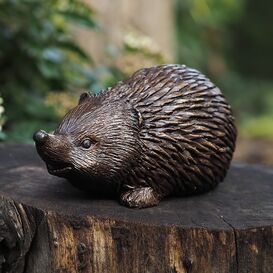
(43, 69)
(38, 55)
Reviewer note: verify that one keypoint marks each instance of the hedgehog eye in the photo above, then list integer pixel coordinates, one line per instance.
(86, 143)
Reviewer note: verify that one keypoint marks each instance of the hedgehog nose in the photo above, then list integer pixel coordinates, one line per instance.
(40, 136)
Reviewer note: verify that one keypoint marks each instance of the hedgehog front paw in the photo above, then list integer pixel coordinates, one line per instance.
(141, 197)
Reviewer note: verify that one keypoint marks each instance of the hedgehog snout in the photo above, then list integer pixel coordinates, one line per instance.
(40, 136)
(53, 149)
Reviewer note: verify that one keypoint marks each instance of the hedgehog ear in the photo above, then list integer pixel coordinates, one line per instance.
(83, 97)
(139, 116)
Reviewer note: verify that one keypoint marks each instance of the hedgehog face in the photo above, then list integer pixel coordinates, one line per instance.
(95, 141)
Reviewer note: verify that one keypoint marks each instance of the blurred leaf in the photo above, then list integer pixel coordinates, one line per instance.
(49, 70)
(71, 46)
(53, 54)
(78, 18)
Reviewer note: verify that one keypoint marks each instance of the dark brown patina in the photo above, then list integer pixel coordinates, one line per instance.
(166, 130)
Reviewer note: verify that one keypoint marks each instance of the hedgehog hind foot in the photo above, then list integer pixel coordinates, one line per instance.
(140, 197)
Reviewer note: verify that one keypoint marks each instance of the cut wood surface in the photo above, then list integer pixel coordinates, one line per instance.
(46, 225)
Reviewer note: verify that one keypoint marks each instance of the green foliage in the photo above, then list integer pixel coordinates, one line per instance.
(258, 127)
(201, 29)
(251, 40)
(250, 98)
(38, 54)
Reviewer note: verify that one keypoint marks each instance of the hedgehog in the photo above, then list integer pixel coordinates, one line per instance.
(165, 131)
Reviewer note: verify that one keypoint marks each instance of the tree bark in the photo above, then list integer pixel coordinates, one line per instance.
(48, 226)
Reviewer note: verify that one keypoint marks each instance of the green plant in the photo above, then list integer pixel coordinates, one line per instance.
(202, 32)
(38, 54)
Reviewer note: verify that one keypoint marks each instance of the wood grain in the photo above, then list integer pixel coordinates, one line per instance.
(48, 226)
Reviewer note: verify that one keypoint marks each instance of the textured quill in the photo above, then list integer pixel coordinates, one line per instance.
(166, 130)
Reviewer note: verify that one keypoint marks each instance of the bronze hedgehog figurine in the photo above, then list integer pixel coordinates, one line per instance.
(166, 130)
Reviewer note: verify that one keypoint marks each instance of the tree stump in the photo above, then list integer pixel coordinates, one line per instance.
(46, 225)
